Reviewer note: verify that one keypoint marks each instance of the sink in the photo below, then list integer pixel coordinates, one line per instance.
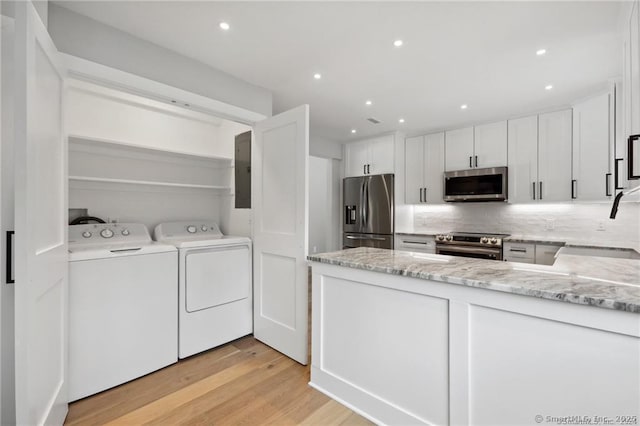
(600, 252)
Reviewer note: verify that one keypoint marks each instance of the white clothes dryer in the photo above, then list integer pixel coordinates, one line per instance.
(215, 292)
(123, 320)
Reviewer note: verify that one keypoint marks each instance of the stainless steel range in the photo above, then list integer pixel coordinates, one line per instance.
(471, 244)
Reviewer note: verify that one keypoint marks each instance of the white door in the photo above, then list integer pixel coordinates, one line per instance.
(554, 156)
(434, 168)
(523, 159)
(280, 203)
(490, 145)
(40, 226)
(591, 177)
(459, 149)
(413, 169)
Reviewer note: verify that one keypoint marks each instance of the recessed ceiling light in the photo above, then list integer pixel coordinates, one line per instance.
(353, 130)
(401, 121)
(398, 43)
(541, 52)
(464, 106)
(548, 87)
(317, 76)
(368, 103)
(224, 26)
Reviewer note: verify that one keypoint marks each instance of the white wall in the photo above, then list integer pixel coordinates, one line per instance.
(325, 148)
(324, 205)
(573, 222)
(86, 38)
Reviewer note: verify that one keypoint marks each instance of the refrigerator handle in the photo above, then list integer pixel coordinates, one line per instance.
(365, 205)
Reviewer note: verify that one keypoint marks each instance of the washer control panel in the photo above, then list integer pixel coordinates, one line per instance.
(96, 233)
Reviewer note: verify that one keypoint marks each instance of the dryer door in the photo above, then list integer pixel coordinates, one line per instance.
(216, 276)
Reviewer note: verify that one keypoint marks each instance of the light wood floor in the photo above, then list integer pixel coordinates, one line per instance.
(243, 382)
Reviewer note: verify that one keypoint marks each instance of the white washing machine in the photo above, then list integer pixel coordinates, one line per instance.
(123, 321)
(215, 285)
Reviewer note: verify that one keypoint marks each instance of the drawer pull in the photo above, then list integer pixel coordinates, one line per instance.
(518, 250)
(416, 242)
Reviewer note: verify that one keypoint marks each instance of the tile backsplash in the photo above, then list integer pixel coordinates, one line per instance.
(573, 222)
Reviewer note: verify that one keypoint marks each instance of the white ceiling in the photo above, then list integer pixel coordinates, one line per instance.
(476, 53)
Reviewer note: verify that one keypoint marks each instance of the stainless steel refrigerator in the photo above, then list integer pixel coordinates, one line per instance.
(368, 211)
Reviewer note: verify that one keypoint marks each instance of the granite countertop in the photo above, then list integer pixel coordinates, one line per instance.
(598, 281)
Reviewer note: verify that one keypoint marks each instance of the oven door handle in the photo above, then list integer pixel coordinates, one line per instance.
(463, 249)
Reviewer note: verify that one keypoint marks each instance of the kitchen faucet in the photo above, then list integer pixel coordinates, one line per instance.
(616, 201)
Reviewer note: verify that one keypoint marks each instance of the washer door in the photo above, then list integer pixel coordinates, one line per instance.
(217, 276)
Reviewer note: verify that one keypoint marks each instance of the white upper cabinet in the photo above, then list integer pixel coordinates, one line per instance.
(370, 157)
(539, 158)
(554, 156)
(629, 162)
(592, 178)
(480, 146)
(490, 145)
(414, 169)
(459, 149)
(424, 168)
(523, 159)
(382, 154)
(356, 157)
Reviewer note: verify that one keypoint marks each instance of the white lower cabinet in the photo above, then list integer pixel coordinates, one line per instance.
(546, 254)
(402, 350)
(541, 254)
(519, 252)
(418, 243)
(424, 168)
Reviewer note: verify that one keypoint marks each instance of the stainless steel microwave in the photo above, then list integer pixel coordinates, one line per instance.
(476, 185)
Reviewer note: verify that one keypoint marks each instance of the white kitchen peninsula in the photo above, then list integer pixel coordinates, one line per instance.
(412, 338)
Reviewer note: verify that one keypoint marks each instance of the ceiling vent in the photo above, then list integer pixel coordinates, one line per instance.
(373, 120)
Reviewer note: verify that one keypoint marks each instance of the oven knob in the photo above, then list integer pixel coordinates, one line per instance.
(192, 229)
(439, 237)
(125, 232)
(449, 238)
(86, 234)
(484, 240)
(204, 228)
(494, 241)
(106, 233)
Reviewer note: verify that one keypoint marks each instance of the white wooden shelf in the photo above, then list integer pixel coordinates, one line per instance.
(151, 183)
(93, 141)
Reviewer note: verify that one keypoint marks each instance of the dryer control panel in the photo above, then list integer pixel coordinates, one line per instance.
(186, 230)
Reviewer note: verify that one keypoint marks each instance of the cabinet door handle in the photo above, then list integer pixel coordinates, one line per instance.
(368, 169)
(420, 194)
(533, 185)
(476, 161)
(470, 164)
(9, 259)
(540, 194)
(573, 189)
(616, 173)
(606, 184)
(425, 195)
(364, 169)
